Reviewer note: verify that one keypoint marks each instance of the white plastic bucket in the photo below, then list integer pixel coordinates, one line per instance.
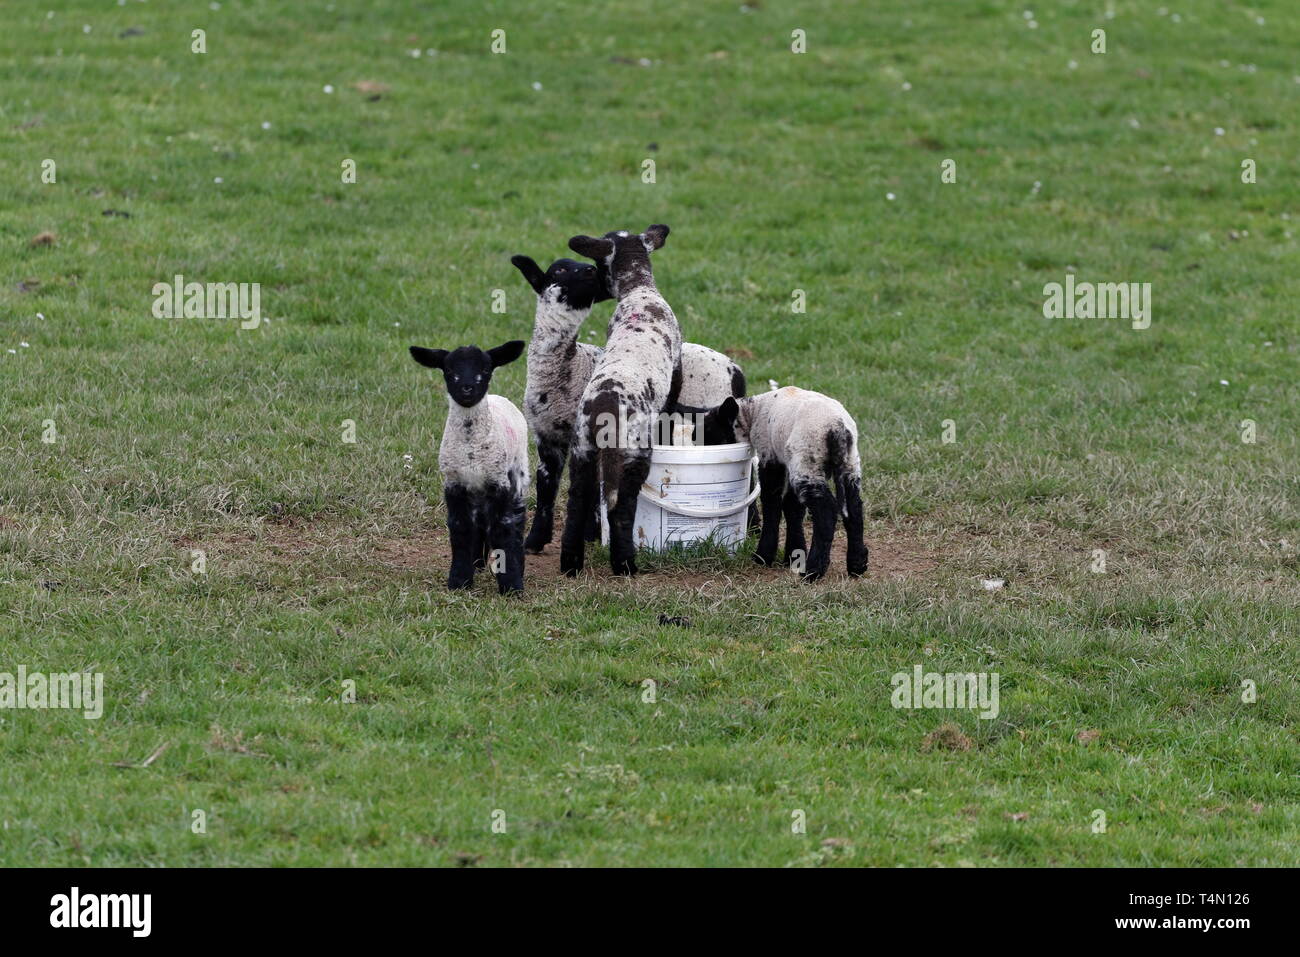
(694, 493)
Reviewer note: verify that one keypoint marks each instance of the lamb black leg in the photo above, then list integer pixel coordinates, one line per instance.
(582, 499)
(479, 547)
(772, 477)
(509, 516)
(460, 529)
(850, 491)
(817, 498)
(622, 545)
(550, 466)
(793, 511)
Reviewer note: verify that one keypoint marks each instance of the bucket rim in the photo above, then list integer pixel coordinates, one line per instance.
(728, 447)
(733, 453)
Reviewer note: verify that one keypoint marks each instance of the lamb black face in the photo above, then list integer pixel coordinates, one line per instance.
(581, 284)
(468, 370)
(720, 423)
(716, 426)
(577, 285)
(621, 253)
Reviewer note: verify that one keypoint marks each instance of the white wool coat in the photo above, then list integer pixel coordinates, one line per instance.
(792, 426)
(485, 445)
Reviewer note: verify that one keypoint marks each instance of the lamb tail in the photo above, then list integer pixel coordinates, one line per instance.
(600, 412)
(609, 467)
(839, 456)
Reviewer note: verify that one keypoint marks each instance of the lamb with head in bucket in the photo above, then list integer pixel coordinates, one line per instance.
(804, 440)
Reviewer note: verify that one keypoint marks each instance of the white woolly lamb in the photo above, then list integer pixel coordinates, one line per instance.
(484, 463)
(803, 441)
(637, 378)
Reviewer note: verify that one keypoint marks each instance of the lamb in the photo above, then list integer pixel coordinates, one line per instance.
(636, 378)
(559, 368)
(484, 463)
(708, 377)
(803, 440)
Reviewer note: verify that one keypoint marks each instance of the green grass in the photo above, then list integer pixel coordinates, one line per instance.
(325, 560)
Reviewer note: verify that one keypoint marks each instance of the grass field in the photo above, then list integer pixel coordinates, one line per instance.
(325, 560)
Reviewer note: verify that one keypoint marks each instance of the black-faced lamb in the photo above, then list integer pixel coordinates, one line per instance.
(559, 368)
(636, 378)
(803, 441)
(484, 463)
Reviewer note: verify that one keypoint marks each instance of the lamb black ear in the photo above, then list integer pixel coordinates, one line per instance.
(503, 355)
(729, 410)
(655, 236)
(591, 247)
(433, 358)
(532, 272)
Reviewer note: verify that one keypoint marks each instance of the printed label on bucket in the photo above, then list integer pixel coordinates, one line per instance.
(659, 528)
(679, 528)
(710, 495)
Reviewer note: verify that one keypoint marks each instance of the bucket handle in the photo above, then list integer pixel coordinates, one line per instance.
(652, 496)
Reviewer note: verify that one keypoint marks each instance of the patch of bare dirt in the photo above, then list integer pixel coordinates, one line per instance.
(896, 553)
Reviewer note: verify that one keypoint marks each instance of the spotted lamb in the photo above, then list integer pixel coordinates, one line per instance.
(559, 368)
(803, 440)
(708, 377)
(484, 463)
(636, 378)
